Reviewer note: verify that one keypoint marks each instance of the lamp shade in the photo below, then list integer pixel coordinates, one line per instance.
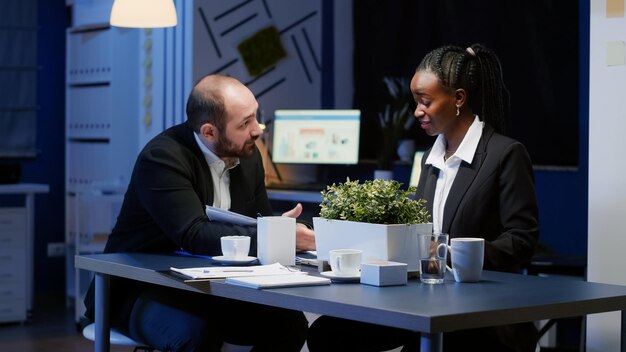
(143, 13)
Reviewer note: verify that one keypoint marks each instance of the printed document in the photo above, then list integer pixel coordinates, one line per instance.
(222, 272)
(228, 217)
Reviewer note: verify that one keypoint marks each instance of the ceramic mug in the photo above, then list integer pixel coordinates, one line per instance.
(467, 255)
(345, 262)
(235, 247)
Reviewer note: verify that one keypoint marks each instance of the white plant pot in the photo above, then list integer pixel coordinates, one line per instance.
(378, 242)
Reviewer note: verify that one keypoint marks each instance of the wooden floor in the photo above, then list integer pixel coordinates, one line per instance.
(50, 328)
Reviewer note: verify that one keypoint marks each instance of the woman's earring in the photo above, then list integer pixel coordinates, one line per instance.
(457, 111)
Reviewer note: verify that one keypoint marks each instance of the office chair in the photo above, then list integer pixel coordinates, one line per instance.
(116, 338)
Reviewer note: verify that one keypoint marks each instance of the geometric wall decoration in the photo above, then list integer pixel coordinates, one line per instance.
(294, 81)
(261, 51)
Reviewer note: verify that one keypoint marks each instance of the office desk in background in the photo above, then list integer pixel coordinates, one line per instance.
(500, 298)
(294, 196)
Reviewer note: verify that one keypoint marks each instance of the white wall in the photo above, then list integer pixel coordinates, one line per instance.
(607, 170)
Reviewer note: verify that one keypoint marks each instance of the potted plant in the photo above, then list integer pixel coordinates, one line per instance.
(376, 216)
(394, 120)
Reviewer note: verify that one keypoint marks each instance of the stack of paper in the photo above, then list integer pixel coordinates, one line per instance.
(259, 276)
(222, 272)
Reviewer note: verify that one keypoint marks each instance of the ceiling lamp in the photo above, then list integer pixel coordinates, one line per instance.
(143, 13)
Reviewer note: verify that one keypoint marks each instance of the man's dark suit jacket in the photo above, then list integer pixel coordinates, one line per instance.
(164, 207)
(493, 198)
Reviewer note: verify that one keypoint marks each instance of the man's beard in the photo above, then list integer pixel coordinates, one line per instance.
(225, 148)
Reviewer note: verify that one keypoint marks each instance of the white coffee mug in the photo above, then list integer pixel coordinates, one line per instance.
(235, 247)
(345, 262)
(467, 255)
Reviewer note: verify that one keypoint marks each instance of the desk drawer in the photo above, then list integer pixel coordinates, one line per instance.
(12, 310)
(10, 291)
(12, 219)
(12, 238)
(12, 265)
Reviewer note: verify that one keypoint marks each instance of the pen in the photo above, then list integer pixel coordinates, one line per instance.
(228, 271)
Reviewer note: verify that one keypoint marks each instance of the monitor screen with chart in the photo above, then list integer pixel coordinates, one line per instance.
(316, 136)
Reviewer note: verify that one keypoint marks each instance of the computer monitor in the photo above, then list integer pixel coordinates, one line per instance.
(316, 136)
(416, 170)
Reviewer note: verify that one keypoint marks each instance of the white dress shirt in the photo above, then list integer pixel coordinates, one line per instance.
(449, 168)
(220, 174)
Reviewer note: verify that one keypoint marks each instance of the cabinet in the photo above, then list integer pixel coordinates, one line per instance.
(113, 107)
(13, 273)
(103, 95)
(16, 253)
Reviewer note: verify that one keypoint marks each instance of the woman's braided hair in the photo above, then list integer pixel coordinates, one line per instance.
(477, 70)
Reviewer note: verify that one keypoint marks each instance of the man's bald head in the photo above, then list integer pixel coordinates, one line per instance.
(206, 101)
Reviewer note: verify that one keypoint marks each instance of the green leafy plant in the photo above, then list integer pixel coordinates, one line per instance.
(373, 201)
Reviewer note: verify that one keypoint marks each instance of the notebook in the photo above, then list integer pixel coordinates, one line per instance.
(276, 281)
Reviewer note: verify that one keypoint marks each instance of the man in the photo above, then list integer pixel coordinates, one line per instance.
(211, 159)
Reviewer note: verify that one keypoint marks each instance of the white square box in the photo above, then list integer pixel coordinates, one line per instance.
(384, 273)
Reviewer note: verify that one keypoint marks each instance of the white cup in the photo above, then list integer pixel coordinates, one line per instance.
(467, 255)
(276, 240)
(345, 262)
(235, 247)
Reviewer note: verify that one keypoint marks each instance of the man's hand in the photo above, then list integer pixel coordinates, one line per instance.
(305, 237)
(295, 212)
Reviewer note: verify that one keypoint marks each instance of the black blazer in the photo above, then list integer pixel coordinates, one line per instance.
(492, 198)
(164, 208)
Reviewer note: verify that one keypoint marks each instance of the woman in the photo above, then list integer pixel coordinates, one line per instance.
(476, 182)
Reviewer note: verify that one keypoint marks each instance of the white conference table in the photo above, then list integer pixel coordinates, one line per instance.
(500, 298)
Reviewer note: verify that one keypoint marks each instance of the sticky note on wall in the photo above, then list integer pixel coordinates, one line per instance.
(615, 53)
(614, 8)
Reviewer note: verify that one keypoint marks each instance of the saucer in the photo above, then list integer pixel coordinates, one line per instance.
(334, 277)
(229, 261)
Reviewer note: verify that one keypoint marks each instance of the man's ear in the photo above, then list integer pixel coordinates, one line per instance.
(209, 131)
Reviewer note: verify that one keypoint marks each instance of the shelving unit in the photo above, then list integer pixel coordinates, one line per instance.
(108, 99)
(115, 103)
